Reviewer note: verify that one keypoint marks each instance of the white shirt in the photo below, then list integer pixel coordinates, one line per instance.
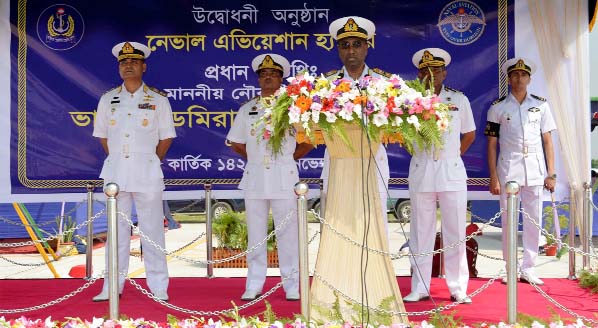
(266, 175)
(521, 156)
(133, 123)
(444, 171)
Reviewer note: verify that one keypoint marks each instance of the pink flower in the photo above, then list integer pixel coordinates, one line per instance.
(417, 108)
(298, 323)
(349, 107)
(267, 134)
(425, 102)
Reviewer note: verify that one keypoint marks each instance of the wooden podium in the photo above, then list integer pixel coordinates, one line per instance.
(353, 211)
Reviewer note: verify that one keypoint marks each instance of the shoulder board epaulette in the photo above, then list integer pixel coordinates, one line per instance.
(243, 104)
(116, 87)
(451, 89)
(330, 73)
(381, 72)
(158, 91)
(499, 100)
(539, 98)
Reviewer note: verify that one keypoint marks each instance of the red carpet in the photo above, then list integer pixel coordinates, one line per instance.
(202, 294)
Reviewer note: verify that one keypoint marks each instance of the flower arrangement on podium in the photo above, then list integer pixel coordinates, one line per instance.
(390, 109)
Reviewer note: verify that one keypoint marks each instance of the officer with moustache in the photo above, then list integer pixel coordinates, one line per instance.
(268, 182)
(135, 127)
(520, 124)
(352, 34)
(439, 176)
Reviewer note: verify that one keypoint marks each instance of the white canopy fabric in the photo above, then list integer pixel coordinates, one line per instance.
(560, 29)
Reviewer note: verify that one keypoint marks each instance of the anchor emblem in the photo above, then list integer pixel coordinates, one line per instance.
(62, 25)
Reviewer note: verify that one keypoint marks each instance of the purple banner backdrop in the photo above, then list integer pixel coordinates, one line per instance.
(61, 64)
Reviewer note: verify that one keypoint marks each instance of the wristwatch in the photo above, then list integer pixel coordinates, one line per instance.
(552, 176)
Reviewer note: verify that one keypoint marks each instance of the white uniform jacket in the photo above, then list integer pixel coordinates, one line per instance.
(521, 156)
(266, 175)
(381, 156)
(133, 124)
(445, 170)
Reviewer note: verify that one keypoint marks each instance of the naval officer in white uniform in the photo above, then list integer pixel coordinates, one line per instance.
(439, 175)
(520, 124)
(352, 34)
(135, 127)
(268, 183)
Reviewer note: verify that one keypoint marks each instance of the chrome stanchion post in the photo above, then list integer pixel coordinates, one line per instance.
(512, 189)
(89, 240)
(571, 239)
(586, 224)
(301, 190)
(208, 189)
(111, 191)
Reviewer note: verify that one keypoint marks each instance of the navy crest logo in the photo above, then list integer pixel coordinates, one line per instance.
(461, 22)
(350, 26)
(60, 27)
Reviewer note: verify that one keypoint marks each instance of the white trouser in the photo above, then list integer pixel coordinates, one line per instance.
(453, 209)
(287, 242)
(530, 200)
(150, 220)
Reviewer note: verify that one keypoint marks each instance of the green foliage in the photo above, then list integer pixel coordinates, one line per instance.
(230, 230)
(331, 314)
(549, 225)
(234, 314)
(439, 319)
(67, 226)
(422, 85)
(417, 85)
(269, 315)
(359, 313)
(336, 309)
(280, 122)
(589, 279)
(526, 320)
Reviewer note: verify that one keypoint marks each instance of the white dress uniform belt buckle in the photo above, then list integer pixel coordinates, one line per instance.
(530, 149)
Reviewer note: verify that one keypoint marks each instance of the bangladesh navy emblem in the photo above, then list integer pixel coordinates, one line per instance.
(60, 27)
(461, 22)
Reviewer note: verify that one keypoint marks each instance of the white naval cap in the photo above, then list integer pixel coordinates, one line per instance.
(431, 57)
(518, 64)
(134, 50)
(272, 61)
(352, 26)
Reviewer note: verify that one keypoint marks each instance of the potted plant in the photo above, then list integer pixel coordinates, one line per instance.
(551, 247)
(230, 230)
(65, 245)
